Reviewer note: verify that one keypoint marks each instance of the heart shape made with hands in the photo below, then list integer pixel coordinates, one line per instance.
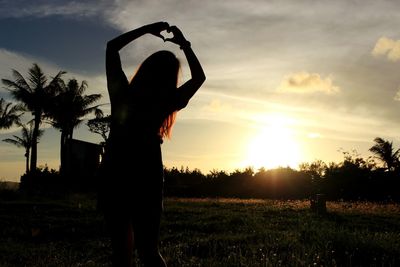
(165, 34)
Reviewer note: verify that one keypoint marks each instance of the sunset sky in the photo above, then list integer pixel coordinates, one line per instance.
(288, 81)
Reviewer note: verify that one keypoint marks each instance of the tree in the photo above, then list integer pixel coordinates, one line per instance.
(70, 105)
(316, 170)
(9, 114)
(100, 125)
(352, 176)
(35, 94)
(25, 140)
(384, 151)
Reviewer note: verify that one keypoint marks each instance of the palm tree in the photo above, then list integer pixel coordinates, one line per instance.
(67, 112)
(9, 114)
(35, 95)
(25, 140)
(384, 151)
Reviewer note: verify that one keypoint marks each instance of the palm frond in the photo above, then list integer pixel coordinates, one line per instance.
(18, 92)
(57, 84)
(77, 123)
(17, 141)
(82, 88)
(397, 154)
(37, 77)
(90, 99)
(9, 114)
(20, 80)
(98, 113)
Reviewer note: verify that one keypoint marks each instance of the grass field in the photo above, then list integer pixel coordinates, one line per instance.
(207, 232)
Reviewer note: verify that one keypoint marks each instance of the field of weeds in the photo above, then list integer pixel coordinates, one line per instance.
(207, 232)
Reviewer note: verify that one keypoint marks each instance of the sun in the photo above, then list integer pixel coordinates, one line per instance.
(274, 145)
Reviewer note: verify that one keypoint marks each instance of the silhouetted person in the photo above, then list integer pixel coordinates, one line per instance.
(142, 114)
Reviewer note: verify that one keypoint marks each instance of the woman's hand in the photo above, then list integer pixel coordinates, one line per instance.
(157, 28)
(177, 38)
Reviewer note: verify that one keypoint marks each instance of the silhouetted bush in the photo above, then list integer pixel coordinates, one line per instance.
(277, 183)
(42, 181)
(8, 192)
(352, 179)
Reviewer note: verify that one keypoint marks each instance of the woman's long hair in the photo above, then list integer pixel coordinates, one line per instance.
(158, 75)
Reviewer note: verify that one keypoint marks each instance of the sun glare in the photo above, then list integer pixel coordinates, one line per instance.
(274, 145)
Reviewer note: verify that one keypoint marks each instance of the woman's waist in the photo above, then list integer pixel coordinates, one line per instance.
(135, 137)
(140, 152)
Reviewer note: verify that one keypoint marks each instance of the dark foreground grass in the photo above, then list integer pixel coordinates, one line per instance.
(207, 232)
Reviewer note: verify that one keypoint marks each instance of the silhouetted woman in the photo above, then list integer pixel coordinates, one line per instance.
(142, 114)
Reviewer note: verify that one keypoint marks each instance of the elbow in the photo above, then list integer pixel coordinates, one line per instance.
(201, 79)
(198, 81)
(110, 46)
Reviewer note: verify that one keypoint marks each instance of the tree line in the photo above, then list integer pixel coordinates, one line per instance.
(354, 178)
(64, 105)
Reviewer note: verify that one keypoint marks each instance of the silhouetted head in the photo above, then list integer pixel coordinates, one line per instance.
(158, 72)
(157, 76)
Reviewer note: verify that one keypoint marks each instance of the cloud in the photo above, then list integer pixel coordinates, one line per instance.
(304, 82)
(313, 135)
(217, 106)
(44, 8)
(397, 96)
(387, 47)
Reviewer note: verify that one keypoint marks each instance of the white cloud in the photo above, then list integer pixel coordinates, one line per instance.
(314, 135)
(305, 82)
(387, 47)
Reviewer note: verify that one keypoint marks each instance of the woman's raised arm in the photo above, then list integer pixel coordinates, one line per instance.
(114, 72)
(189, 88)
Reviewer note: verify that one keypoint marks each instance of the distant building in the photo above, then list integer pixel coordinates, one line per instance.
(82, 162)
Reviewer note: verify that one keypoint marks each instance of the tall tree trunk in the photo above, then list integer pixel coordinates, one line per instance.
(35, 134)
(27, 160)
(67, 150)
(63, 152)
